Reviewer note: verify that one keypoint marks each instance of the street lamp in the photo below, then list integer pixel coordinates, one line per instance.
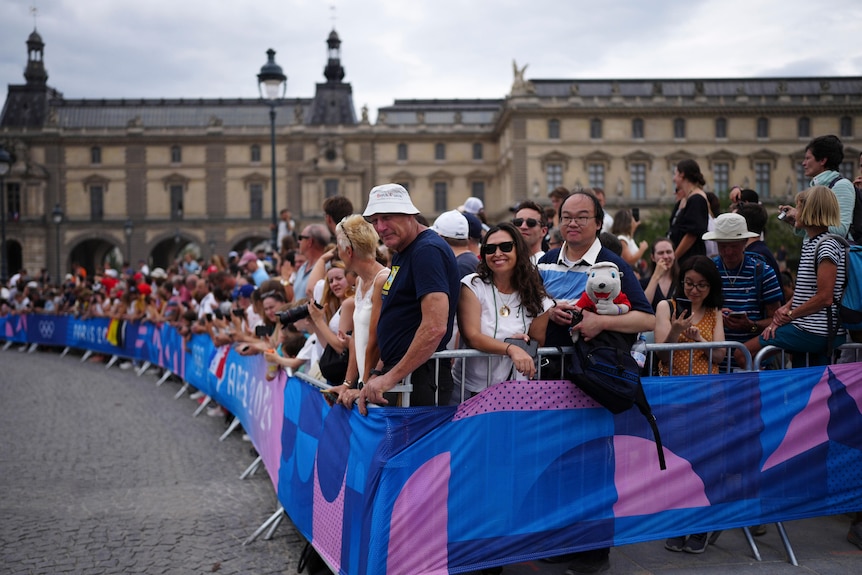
(57, 216)
(128, 228)
(5, 166)
(272, 84)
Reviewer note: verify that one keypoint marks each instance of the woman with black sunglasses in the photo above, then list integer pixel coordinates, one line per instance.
(499, 301)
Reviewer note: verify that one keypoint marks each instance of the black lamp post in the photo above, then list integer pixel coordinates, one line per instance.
(272, 84)
(128, 228)
(57, 216)
(5, 166)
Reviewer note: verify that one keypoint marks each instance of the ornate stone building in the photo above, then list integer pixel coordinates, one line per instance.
(172, 172)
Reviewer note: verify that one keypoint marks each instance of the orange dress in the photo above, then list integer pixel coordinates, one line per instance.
(701, 364)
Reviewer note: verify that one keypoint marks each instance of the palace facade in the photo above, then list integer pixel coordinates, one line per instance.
(149, 177)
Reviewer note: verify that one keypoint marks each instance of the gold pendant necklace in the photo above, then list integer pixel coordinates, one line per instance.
(504, 309)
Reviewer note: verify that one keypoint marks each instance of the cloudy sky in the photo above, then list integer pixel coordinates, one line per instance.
(419, 48)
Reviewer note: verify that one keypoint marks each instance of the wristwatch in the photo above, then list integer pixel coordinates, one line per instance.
(754, 327)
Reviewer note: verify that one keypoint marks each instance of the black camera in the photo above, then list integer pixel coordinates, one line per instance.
(260, 331)
(783, 213)
(237, 312)
(577, 316)
(218, 313)
(295, 314)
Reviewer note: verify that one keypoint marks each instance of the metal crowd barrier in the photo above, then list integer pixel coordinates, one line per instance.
(725, 366)
(846, 353)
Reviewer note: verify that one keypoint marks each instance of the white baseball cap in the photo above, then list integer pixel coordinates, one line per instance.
(473, 205)
(452, 224)
(389, 199)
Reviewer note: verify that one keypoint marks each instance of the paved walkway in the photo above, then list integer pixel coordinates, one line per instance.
(103, 472)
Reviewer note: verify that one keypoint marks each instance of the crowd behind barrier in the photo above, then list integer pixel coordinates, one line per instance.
(750, 447)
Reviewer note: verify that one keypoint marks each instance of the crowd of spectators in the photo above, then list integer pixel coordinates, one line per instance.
(381, 292)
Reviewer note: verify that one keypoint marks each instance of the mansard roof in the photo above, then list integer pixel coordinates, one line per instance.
(176, 113)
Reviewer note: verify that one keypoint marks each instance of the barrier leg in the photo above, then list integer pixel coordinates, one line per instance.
(272, 529)
(146, 365)
(250, 470)
(65, 351)
(233, 425)
(791, 557)
(112, 361)
(202, 406)
(33, 347)
(750, 539)
(86, 356)
(164, 377)
(182, 390)
(7, 345)
(266, 524)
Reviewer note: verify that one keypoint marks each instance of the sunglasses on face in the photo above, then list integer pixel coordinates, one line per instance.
(491, 249)
(531, 222)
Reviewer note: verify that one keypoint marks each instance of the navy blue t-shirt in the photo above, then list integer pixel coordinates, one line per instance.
(426, 266)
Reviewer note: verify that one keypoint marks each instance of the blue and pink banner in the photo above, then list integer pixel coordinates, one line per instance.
(527, 469)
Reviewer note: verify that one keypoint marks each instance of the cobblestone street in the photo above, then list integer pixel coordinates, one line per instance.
(103, 472)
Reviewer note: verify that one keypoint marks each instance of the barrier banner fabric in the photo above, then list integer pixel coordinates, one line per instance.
(532, 469)
(528, 469)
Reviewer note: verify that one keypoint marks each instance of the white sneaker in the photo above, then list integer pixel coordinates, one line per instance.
(246, 437)
(197, 395)
(126, 365)
(217, 411)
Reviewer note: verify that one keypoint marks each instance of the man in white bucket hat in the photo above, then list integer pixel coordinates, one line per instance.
(749, 285)
(419, 302)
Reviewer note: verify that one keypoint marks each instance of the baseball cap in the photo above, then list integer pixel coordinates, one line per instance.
(246, 258)
(452, 224)
(245, 290)
(158, 273)
(474, 225)
(389, 199)
(473, 205)
(232, 254)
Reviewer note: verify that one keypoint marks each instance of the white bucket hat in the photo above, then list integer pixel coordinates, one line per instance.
(729, 228)
(389, 199)
(452, 224)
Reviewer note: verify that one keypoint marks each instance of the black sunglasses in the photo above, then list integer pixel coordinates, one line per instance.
(505, 247)
(531, 222)
(302, 237)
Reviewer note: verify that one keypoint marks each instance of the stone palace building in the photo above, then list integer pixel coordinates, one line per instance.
(149, 177)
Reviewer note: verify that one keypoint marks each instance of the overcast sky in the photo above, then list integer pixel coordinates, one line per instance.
(419, 48)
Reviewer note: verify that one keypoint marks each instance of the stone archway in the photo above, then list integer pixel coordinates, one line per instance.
(93, 253)
(14, 257)
(167, 250)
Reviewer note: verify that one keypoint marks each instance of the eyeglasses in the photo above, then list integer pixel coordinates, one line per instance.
(531, 222)
(699, 286)
(580, 220)
(302, 237)
(491, 249)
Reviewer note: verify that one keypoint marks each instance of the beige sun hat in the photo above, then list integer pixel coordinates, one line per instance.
(729, 228)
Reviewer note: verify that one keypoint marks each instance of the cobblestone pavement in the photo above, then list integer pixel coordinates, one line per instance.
(103, 472)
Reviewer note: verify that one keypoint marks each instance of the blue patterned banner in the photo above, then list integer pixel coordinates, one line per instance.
(525, 469)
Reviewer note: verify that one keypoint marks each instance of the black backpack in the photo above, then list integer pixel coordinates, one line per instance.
(604, 369)
(856, 222)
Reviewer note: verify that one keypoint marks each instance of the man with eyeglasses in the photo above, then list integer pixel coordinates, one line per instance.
(564, 272)
(750, 287)
(529, 219)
